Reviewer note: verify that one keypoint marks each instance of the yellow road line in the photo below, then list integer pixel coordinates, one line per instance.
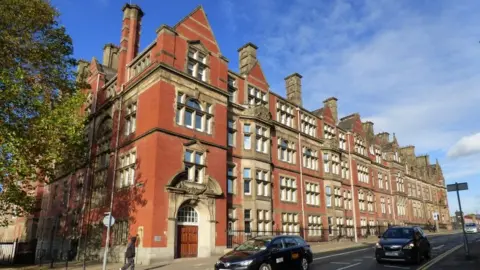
(439, 257)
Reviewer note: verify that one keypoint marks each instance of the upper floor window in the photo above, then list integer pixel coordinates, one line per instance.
(378, 155)
(335, 164)
(400, 184)
(247, 181)
(342, 141)
(232, 89)
(131, 118)
(193, 115)
(326, 163)
(345, 170)
(194, 165)
(328, 131)
(360, 146)
(231, 179)
(396, 157)
(256, 96)
(263, 183)
(262, 141)
(363, 175)
(247, 137)
(386, 182)
(328, 194)
(309, 125)
(312, 191)
(285, 114)
(126, 171)
(286, 151)
(197, 64)
(288, 189)
(380, 180)
(232, 132)
(310, 159)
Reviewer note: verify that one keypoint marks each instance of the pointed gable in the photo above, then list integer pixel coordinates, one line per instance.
(195, 26)
(257, 77)
(328, 116)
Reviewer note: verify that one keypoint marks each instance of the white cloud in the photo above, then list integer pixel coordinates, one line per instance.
(411, 67)
(468, 145)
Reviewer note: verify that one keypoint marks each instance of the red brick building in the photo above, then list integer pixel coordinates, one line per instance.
(195, 151)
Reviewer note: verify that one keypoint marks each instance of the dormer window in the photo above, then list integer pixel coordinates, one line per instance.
(194, 115)
(256, 96)
(197, 64)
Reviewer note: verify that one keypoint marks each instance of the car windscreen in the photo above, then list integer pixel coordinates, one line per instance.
(254, 245)
(399, 233)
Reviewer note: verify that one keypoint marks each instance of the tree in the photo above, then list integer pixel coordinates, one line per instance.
(41, 127)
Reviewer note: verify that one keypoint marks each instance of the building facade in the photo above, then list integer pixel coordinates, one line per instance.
(188, 153)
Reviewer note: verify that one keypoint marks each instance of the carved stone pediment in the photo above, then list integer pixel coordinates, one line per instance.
(181, 184)
(196, 145)
(258, 111)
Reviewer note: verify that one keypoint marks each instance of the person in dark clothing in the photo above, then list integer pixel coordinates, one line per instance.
(130, 254)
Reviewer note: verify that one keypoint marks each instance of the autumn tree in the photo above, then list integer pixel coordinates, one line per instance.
(41, 128)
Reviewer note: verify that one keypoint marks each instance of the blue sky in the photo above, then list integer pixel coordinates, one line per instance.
(411, 67)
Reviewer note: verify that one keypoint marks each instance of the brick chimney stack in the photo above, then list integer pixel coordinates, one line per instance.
(130, 41)
(293, 83)
(331, 103)
(110, 56)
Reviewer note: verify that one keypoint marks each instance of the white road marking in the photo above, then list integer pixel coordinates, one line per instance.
(340, 254)
(340, 262)
(341, 268)
(438, 247)
(393, 266)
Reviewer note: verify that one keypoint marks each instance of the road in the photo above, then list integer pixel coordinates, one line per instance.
(363, 258)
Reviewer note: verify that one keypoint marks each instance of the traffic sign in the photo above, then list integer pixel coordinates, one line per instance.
(106, 219)
(457, 186)
(435, 216)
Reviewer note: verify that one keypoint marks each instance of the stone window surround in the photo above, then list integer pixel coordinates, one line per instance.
(206, 110)
(121, 168)
(292, 189)
(262, 100)
(194, 148)
(198, 48)
(130, 116)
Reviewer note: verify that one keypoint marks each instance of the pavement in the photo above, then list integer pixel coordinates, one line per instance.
(327, 255)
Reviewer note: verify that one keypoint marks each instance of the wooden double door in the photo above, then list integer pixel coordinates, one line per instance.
(187, 241)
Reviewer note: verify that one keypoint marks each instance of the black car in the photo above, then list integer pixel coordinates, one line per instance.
(267, 253)
(403, 244)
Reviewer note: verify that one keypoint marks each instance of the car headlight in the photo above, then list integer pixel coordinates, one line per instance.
(409, 246)
(378, 245)
(245, 263)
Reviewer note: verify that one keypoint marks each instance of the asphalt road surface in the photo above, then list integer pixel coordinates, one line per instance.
(364, 259)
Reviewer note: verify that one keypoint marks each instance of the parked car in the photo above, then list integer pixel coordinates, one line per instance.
(471, 228)
(403, 243)
(268, 253)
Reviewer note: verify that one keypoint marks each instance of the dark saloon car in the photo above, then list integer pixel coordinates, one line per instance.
(403, 244)
(267, 253)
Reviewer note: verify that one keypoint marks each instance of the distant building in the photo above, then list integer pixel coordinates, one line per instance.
(200, 156)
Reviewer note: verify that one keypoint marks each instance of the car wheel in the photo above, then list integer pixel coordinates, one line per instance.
(265, 266)
(428, 254)
(304, 264)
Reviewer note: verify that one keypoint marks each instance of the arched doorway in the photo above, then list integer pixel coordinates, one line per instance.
(187, 232)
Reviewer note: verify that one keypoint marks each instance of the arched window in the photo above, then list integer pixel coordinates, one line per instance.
(187, 214)
(193, 115)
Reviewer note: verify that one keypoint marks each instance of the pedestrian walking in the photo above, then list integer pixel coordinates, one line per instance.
(130, 255)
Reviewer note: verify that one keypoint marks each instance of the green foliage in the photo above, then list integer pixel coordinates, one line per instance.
(41, 128)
